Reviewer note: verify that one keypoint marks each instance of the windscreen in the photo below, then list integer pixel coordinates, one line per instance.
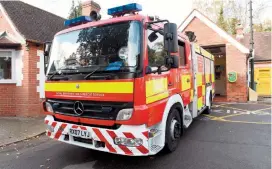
(108, 47)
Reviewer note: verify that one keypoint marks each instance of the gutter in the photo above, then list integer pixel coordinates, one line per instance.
(248, 66)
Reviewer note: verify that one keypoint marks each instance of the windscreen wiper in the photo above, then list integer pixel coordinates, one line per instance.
(90, 74)
(58, 72)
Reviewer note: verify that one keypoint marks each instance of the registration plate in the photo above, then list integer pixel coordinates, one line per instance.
(80, 133)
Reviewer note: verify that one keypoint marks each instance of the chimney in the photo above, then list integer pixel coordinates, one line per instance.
(89, 6)
(239, 32)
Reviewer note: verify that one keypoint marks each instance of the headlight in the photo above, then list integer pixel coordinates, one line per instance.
(128, 141)
(48, 107)
(124, 114)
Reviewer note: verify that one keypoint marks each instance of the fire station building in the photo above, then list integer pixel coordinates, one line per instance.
(230, 57)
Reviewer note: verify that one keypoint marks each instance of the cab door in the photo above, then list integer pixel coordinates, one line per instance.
(186, 80)
(158, 86)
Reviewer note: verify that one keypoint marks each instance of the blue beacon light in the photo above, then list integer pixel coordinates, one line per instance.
(121, 10)
(77, 21)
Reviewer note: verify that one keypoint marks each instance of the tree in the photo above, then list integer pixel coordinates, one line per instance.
(220, 20)
(234, 11)
(76, 10)
(232, 25)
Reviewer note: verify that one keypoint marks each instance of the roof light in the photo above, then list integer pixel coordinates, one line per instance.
(121, 10)
(77, 21)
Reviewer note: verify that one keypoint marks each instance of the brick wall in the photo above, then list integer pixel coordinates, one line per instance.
(23, 100)
(235, 60)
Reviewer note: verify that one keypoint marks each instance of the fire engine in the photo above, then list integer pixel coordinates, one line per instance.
(127, 85)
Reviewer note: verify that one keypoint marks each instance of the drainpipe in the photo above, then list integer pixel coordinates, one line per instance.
(248, 67)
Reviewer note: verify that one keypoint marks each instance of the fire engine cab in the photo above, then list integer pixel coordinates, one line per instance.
(127, 85)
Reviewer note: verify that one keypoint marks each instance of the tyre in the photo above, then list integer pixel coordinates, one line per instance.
(174, 130)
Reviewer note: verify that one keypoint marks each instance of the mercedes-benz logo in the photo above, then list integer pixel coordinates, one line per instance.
(78, 108)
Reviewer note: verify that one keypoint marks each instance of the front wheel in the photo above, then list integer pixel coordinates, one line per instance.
(173, 130)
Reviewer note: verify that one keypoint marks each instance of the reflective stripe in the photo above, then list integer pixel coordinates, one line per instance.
(207, 77)
(199, 103)
(185, 82)
(197, 48)
(157, 97)
(212, 77)
(92, 87)
(203, 90)
(199, 79)
(192, 95)
(156, 89)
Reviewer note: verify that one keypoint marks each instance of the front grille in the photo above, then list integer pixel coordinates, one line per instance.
(92, 109)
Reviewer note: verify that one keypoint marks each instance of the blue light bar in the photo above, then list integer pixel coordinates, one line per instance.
(120, 10)
(77, 21)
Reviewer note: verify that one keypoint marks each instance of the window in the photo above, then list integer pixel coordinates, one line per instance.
(108, 45)
(182, 56)
(156, 53)
(6, 67)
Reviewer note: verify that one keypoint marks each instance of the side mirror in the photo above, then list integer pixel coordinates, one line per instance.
(170, 38)
(172, 62)
(46, 52)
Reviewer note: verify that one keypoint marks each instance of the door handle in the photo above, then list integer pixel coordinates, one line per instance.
(170, 84)
(188, 80)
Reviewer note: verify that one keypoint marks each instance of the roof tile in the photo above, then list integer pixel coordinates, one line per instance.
(33, 23)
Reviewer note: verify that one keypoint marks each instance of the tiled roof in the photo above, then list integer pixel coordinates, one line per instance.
(262, 45)
(33, 23)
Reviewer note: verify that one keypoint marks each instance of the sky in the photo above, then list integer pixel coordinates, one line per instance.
(175, 13)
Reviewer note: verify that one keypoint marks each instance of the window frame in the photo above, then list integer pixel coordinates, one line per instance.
(13, 72)
(147, 42)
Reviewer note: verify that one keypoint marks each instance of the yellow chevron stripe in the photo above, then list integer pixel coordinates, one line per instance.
(92, 87)
(156, 89)
(203, 90)
(185, 82)
(199, 103)
(157, 97)
(199, 79)
(213, 78)
(192, 95)
(207, 77)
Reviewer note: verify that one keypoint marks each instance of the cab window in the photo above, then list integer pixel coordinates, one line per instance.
(182, 55)
(156, 53)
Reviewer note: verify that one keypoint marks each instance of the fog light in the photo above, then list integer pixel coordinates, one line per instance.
(128, 141)
(48, 107)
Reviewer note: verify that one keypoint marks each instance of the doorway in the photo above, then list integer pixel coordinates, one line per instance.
(219, 52)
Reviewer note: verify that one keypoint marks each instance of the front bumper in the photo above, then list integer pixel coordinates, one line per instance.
(60, 131)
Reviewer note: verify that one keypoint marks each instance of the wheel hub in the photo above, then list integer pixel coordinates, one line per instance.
(175, 129)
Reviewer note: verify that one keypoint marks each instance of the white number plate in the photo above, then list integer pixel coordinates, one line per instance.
(80, 133)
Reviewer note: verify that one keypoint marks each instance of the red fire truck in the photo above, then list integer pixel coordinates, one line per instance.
(127, 85)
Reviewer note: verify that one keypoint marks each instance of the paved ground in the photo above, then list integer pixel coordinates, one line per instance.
(14, 129)
(232, 137)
